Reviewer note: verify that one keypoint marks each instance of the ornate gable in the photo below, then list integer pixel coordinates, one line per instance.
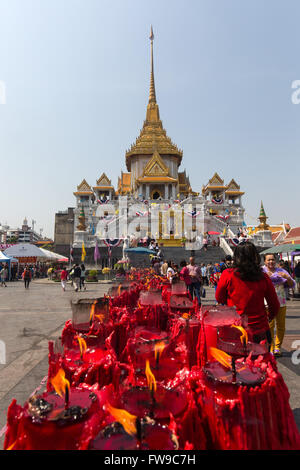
(156, 166)
(233, 186)
(84, 188)
(103, 181)
(216, 180)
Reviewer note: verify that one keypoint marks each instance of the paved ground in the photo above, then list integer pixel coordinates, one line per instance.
(30, 318)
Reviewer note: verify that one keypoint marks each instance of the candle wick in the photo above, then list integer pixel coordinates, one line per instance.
(66, 397)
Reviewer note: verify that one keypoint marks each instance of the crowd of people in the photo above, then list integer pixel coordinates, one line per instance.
(76, 275)
(259, 292)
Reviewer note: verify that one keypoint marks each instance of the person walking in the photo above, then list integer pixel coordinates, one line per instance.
(279, 278)
(196, 280)
(63, 278)
(26, 277)
(247, 287)
(82, 277)
(4, 275)
(77, 275)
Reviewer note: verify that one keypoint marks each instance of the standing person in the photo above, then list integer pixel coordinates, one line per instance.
(227, 263)
(297, 276)
(209, 270)
(63, 278)
(170, 272)
(204, 274)
(164, 268)
(184, 274)
(26, 277)
(196, 280)
(82, 277)
(4, 275)
(205, 242)
(77, 275)
(246, 287)
(279, 278)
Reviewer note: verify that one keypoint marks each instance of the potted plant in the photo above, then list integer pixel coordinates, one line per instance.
(106, 272)
(92, 275)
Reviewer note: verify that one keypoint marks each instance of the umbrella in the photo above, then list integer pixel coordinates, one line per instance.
(140, 249)
(284, 248)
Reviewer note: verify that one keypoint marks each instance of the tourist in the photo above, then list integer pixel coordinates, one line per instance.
(184, 274)
(196, 280)
(4, 275)
(246, 287)
(279, 277)
(205, 242)
(63, 278)
(209, 270)
(26, 277)
(204, 274)
(82, 277)
(170, 272)
(297, 276)
(164, 268)
(77, 275)
(215, 277)
(284, 265)
(227, 263)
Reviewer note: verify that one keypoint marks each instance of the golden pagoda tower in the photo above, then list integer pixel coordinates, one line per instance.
(153, 160)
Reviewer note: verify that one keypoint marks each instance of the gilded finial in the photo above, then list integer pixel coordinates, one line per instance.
(152, 96)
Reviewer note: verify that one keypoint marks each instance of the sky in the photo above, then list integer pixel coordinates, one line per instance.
(74, 86)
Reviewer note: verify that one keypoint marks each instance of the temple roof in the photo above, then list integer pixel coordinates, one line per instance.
(153, 135)
(103, 182)
(83, 189)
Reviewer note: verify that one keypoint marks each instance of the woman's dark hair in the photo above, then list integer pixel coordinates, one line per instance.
(246, 261)
(269, 254)
(182, 263)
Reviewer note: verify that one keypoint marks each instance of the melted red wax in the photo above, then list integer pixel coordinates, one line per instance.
(138, 401)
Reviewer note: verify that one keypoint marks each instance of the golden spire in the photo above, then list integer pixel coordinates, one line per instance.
(152, 96)
(152, 108)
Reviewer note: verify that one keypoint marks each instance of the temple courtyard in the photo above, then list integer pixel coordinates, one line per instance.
(30, 318)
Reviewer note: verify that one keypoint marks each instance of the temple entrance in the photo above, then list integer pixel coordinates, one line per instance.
(156, 195)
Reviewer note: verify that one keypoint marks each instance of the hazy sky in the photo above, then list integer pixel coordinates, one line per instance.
(76, 80)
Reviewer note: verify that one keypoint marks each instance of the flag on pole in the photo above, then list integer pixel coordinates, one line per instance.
(96, 252)
(83, 252)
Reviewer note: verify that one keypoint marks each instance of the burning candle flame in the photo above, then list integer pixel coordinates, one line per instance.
(93, 311)
(244, 335)
(60, 383)
(158, 349)
(222, 357)
(82, 345)
(186, 316)
(127, 420)
(100, 317)
(150, 377)
(12, 445)
(119, 289)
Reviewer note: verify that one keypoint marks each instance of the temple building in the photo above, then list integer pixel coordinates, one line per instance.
(154, 178)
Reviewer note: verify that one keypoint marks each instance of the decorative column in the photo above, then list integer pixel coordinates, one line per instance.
(166, 191)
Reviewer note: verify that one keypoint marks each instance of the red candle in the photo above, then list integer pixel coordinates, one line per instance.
(45, 423)
(138, 401)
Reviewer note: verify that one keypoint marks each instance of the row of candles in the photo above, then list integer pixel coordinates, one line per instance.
(118, 380)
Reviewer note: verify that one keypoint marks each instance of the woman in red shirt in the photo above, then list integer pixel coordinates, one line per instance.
(247, 288)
